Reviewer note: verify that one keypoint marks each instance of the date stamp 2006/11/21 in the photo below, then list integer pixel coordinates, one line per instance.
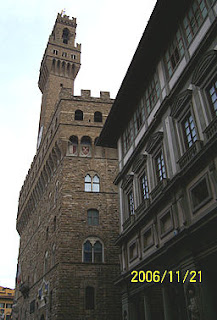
(168, 275)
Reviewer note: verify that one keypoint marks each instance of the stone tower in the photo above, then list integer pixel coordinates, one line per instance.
(67, 216)
(59, 67)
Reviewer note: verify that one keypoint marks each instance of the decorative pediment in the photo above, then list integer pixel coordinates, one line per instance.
(139, 162)
(127, 181)
(204, 66)
(180, 102)
(154, 141)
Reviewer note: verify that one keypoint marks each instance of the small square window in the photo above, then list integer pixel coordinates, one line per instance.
(200, 194)
(148, 239)
(166, 223)
(133, 253)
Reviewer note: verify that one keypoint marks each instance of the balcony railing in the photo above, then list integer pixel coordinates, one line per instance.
(159, 188)
(190, 154)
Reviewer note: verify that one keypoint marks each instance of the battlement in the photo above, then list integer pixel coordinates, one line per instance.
(64, 19)
(66, 93)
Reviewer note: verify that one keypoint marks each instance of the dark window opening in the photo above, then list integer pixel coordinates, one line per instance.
(97, 252)
(97, 116)
(87, 251)
(200, 194)
(78, 115)
(212, 91)
(89, 298)
(93, 217)
(65, 35)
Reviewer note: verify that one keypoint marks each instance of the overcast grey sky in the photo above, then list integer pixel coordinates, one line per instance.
(109, 31)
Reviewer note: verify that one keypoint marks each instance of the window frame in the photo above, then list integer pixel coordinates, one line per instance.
(205, 200)
(158, 152)
(136, 255)
(90, 219)
(98, 116)
(177, 43)
(194, 17)
(213, 82)
(79, 115)
(93, 241)
(92, 183)
(90, 306)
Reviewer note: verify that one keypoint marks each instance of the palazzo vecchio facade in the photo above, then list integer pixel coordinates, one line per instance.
(67, 216)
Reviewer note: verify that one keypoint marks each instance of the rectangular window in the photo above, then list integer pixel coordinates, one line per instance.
(2, 305)
(189, 130)
(160, 167)
(128, 137)
(200, 194)
(212, 93)
(73, 56)
(64, 54)
(9, 305)
(148, 240)
(144, 186)
(138, 117)
(194, 18)
(166, 223)
(55, 52)
(174, 53)
(131, 203)
(152, 94)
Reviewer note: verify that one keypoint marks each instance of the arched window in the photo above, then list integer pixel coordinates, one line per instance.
(85, 146)
(65, 35)
(95, 185)
(73, 145)
(78, 115)
(93, 217)
(97, 251)
(87, 251)
(97, 116)
(89, 298)
(92, 251)
(87, 183)
(91, 184)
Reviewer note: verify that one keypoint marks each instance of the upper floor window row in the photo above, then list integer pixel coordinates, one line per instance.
(146, 104)
(194, 18)
(189, 27)
(84, 148)
(80, 116)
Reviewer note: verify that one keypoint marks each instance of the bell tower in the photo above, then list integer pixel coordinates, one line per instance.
(59, 67)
